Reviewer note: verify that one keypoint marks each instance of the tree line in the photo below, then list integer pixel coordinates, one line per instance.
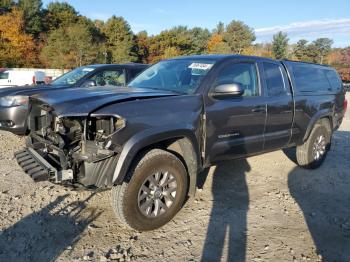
(59, 37)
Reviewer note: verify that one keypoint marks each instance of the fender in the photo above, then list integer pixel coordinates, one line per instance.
(153, 136)
(324, 113)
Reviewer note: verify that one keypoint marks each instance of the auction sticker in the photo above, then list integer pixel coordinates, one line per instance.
(88, 69)
(200, 66)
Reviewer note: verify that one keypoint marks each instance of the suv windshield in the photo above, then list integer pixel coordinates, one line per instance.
(181, 76)
(73, 76)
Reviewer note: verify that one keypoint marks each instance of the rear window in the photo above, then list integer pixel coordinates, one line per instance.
(310, 78)
(4, 75)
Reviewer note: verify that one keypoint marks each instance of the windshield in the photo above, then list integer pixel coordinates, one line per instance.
(73, 76)
(181, 76)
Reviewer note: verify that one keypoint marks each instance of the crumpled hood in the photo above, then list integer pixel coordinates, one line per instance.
(28, 90)
(83, 101)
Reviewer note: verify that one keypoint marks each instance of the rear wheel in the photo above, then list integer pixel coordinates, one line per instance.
(153, 192)
(314, 151)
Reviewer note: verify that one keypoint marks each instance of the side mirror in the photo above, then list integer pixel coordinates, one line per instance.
(89, 83)
(228, 90)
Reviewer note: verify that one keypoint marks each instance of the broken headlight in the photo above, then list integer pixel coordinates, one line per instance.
(101, 128)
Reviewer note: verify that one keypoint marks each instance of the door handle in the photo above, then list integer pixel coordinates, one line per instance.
(259, 109)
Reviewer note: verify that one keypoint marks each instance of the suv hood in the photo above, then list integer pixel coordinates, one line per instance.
(83, 101)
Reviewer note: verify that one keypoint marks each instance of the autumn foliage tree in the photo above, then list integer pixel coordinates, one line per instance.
(340, 59)
(142, 45)
(216, 45)
(17, 48)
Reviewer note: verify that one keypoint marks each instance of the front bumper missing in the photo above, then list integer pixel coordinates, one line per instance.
(38, 168)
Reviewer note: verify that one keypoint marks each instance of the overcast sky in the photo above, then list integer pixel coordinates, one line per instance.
(309, 19)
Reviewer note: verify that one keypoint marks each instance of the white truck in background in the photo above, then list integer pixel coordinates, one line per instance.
(10, 78)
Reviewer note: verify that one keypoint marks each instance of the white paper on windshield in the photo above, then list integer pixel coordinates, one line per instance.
(201, 66)
(88, 69)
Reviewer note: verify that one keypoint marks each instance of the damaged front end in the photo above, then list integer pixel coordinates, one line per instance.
(70, 150)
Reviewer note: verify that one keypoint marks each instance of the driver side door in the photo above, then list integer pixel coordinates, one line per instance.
(235, 125)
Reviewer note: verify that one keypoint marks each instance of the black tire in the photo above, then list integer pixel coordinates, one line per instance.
(305, 155)
(125, 197)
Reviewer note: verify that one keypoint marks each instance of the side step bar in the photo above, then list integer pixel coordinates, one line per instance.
(35, 165)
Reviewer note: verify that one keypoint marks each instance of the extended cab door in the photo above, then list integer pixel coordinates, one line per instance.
(279, 106)
(235, 125)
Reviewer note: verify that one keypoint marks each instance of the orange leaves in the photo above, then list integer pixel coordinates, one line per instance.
(340, 59)
(214, 41)
(345, 74)
(16, 47)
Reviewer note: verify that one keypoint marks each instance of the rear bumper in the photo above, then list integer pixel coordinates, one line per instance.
(13, 119)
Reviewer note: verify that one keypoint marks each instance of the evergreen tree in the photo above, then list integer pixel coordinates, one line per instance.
(198, 38)
(238, 36)
(220, 28)
(119, 40)
(69, 47)
(324, 47)
(60, 14)
(280, 45)
(301, 50)
(33, 14)
(6, 5)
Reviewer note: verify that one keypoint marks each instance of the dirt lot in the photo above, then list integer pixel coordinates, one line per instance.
(261, 209)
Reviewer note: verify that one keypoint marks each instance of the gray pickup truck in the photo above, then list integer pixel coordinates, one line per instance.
(149, 141)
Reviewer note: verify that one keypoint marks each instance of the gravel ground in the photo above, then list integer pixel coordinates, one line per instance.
(260, 209)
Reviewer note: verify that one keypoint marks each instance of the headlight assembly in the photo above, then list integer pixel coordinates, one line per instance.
(102, 127)
(10, 101)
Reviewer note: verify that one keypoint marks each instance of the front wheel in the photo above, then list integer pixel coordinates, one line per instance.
(314, 151)
(154, 191)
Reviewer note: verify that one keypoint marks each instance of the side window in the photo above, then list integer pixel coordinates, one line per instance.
(241, 73)
(276, 85)
(334, 79)
(310, 78)
(4, 75)
(110, 78)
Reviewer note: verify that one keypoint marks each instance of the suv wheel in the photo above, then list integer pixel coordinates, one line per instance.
(314, 151)
(154, 191)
